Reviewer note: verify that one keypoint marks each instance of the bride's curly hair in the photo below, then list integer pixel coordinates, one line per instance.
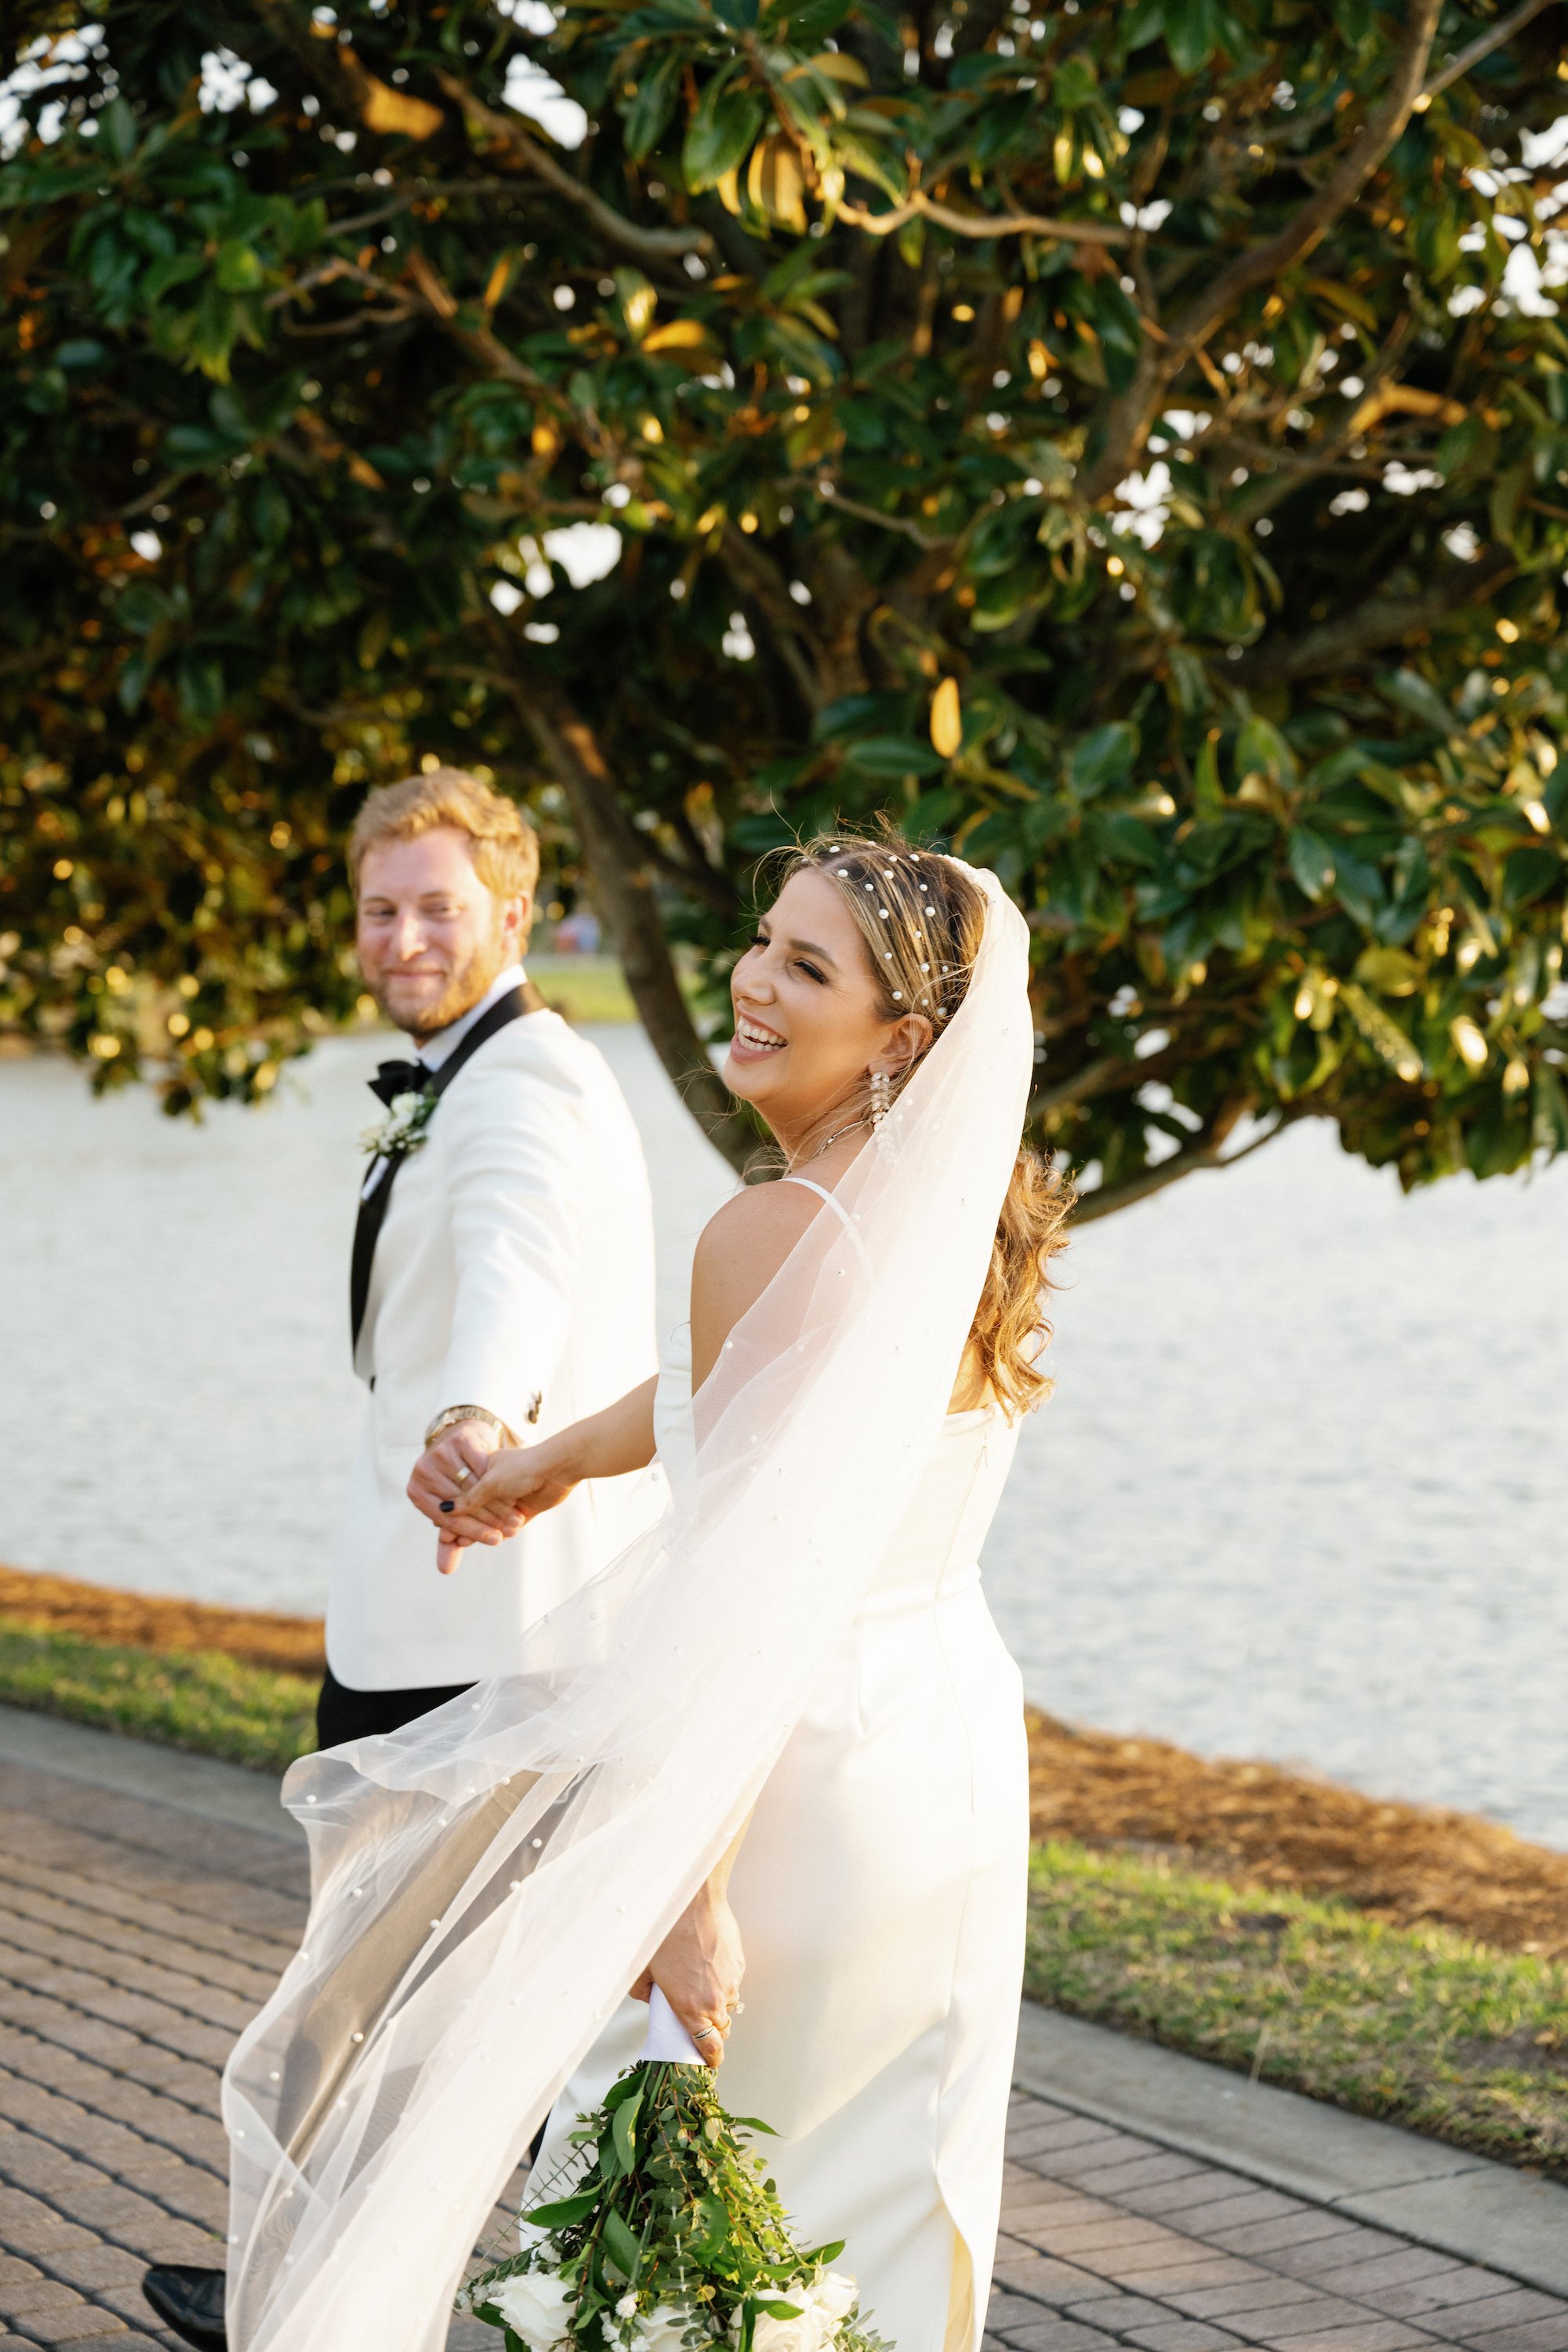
(921, 953)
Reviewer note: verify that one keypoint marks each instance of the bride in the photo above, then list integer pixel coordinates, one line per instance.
(778, 1737)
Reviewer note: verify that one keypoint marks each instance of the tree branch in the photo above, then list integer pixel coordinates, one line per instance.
(642, 244)
(1209, 1151)
(1380, 621)
(620, 862)
(1267, 262)
(981, 224)
(899, 523)
(1128, 417)
(1482, 47)
(758, 576)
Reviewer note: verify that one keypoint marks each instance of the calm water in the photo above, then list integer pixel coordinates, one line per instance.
(1303, 1492)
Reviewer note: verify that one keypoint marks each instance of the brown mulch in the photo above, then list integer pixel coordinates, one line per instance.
(139, 1621)
(1260, 1826)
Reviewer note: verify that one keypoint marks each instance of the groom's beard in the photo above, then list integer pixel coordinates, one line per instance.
(464, 986)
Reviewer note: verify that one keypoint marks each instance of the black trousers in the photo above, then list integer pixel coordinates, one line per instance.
(342, 1713)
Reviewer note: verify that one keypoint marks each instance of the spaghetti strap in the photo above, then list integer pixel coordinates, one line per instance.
(823, 1193)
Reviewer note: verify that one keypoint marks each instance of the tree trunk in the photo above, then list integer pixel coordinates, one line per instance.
(620, 860)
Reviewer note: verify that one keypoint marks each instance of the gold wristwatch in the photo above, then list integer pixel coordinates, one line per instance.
(456, 1412)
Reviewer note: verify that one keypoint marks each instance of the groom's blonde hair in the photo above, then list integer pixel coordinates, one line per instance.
(504, 845)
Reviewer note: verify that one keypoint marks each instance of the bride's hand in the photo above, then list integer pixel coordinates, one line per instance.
(699, 1967)
(520, 1482)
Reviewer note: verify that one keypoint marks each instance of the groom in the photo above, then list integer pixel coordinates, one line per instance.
(501, 1286)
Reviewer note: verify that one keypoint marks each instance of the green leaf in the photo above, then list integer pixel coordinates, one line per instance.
(619, 2243)
(1101, 756)
(1207, 791)
(237, 266)
(892, 755)
(117, 129)
(1526, 873)
(563, 2211)
(1358, 885)
(624, 2131)
(1311, 861)
(648, 113)
(1414, 694)
(1260, 749)
(722, 133)
(1193, 30)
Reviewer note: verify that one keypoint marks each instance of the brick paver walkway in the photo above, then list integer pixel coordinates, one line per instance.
(1108, 2238)
(135, 1940)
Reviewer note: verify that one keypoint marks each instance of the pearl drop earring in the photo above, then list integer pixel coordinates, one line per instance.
(881, 1098)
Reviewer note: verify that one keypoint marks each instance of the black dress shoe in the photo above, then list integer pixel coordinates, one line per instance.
(190, 2302)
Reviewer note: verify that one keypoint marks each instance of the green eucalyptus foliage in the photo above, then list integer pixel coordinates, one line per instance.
(671, 2232)
(1146, 371)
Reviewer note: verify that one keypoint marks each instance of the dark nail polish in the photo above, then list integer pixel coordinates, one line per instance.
(448, 1506)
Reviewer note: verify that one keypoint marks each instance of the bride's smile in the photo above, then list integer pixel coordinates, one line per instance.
(809, 1018)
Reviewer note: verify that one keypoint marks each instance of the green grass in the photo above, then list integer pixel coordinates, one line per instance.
(1420, 2026)
(196, 1699)
(584, 988)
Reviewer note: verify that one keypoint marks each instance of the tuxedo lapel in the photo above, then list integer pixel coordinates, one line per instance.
(525, 998)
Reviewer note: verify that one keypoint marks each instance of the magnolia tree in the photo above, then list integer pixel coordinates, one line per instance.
(1128, 442)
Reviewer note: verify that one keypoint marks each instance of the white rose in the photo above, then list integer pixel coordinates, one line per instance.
(663, 2330)
(833, 2293)
(809, 2331)
(535, 2305)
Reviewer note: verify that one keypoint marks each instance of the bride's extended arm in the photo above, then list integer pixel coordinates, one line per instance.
(521, 1481)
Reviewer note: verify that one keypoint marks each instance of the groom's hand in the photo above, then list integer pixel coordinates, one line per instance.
(456, 1460)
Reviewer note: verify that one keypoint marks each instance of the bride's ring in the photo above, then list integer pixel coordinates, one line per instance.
(707, 2033)
(464, 1474)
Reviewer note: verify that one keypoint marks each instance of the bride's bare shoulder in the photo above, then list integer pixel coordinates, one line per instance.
(741, 1249)
(760, 1219)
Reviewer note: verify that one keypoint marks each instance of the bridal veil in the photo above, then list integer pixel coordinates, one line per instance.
(487, 1882)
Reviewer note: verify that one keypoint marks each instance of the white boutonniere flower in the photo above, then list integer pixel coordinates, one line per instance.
(403, 1129)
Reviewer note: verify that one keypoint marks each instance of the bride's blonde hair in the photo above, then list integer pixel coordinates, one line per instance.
(921, 919)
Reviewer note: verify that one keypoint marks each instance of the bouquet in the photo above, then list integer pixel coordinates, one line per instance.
(671, 2239)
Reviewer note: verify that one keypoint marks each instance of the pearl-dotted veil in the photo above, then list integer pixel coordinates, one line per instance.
(487, 1882)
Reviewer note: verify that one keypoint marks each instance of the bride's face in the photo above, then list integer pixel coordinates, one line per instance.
(808, 1024)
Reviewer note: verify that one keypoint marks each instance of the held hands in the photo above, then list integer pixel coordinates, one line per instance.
(506, 1486)
(699, 1967)
(455, 1462)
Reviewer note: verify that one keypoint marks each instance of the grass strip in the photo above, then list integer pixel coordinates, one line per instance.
(200, 1700)
(1419, 2025)
(1256, 1825)
(585, 989)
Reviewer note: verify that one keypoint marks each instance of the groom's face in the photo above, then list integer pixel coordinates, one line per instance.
(431, 935)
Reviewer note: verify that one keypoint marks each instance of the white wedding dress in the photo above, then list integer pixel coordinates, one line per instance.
(881, 1896)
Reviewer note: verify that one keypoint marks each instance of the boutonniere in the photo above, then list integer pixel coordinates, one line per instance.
(403, 1129)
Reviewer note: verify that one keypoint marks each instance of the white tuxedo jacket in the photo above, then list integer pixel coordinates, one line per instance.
(514, 1263)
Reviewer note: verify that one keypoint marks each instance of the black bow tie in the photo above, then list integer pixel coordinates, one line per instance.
(395, 1078)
